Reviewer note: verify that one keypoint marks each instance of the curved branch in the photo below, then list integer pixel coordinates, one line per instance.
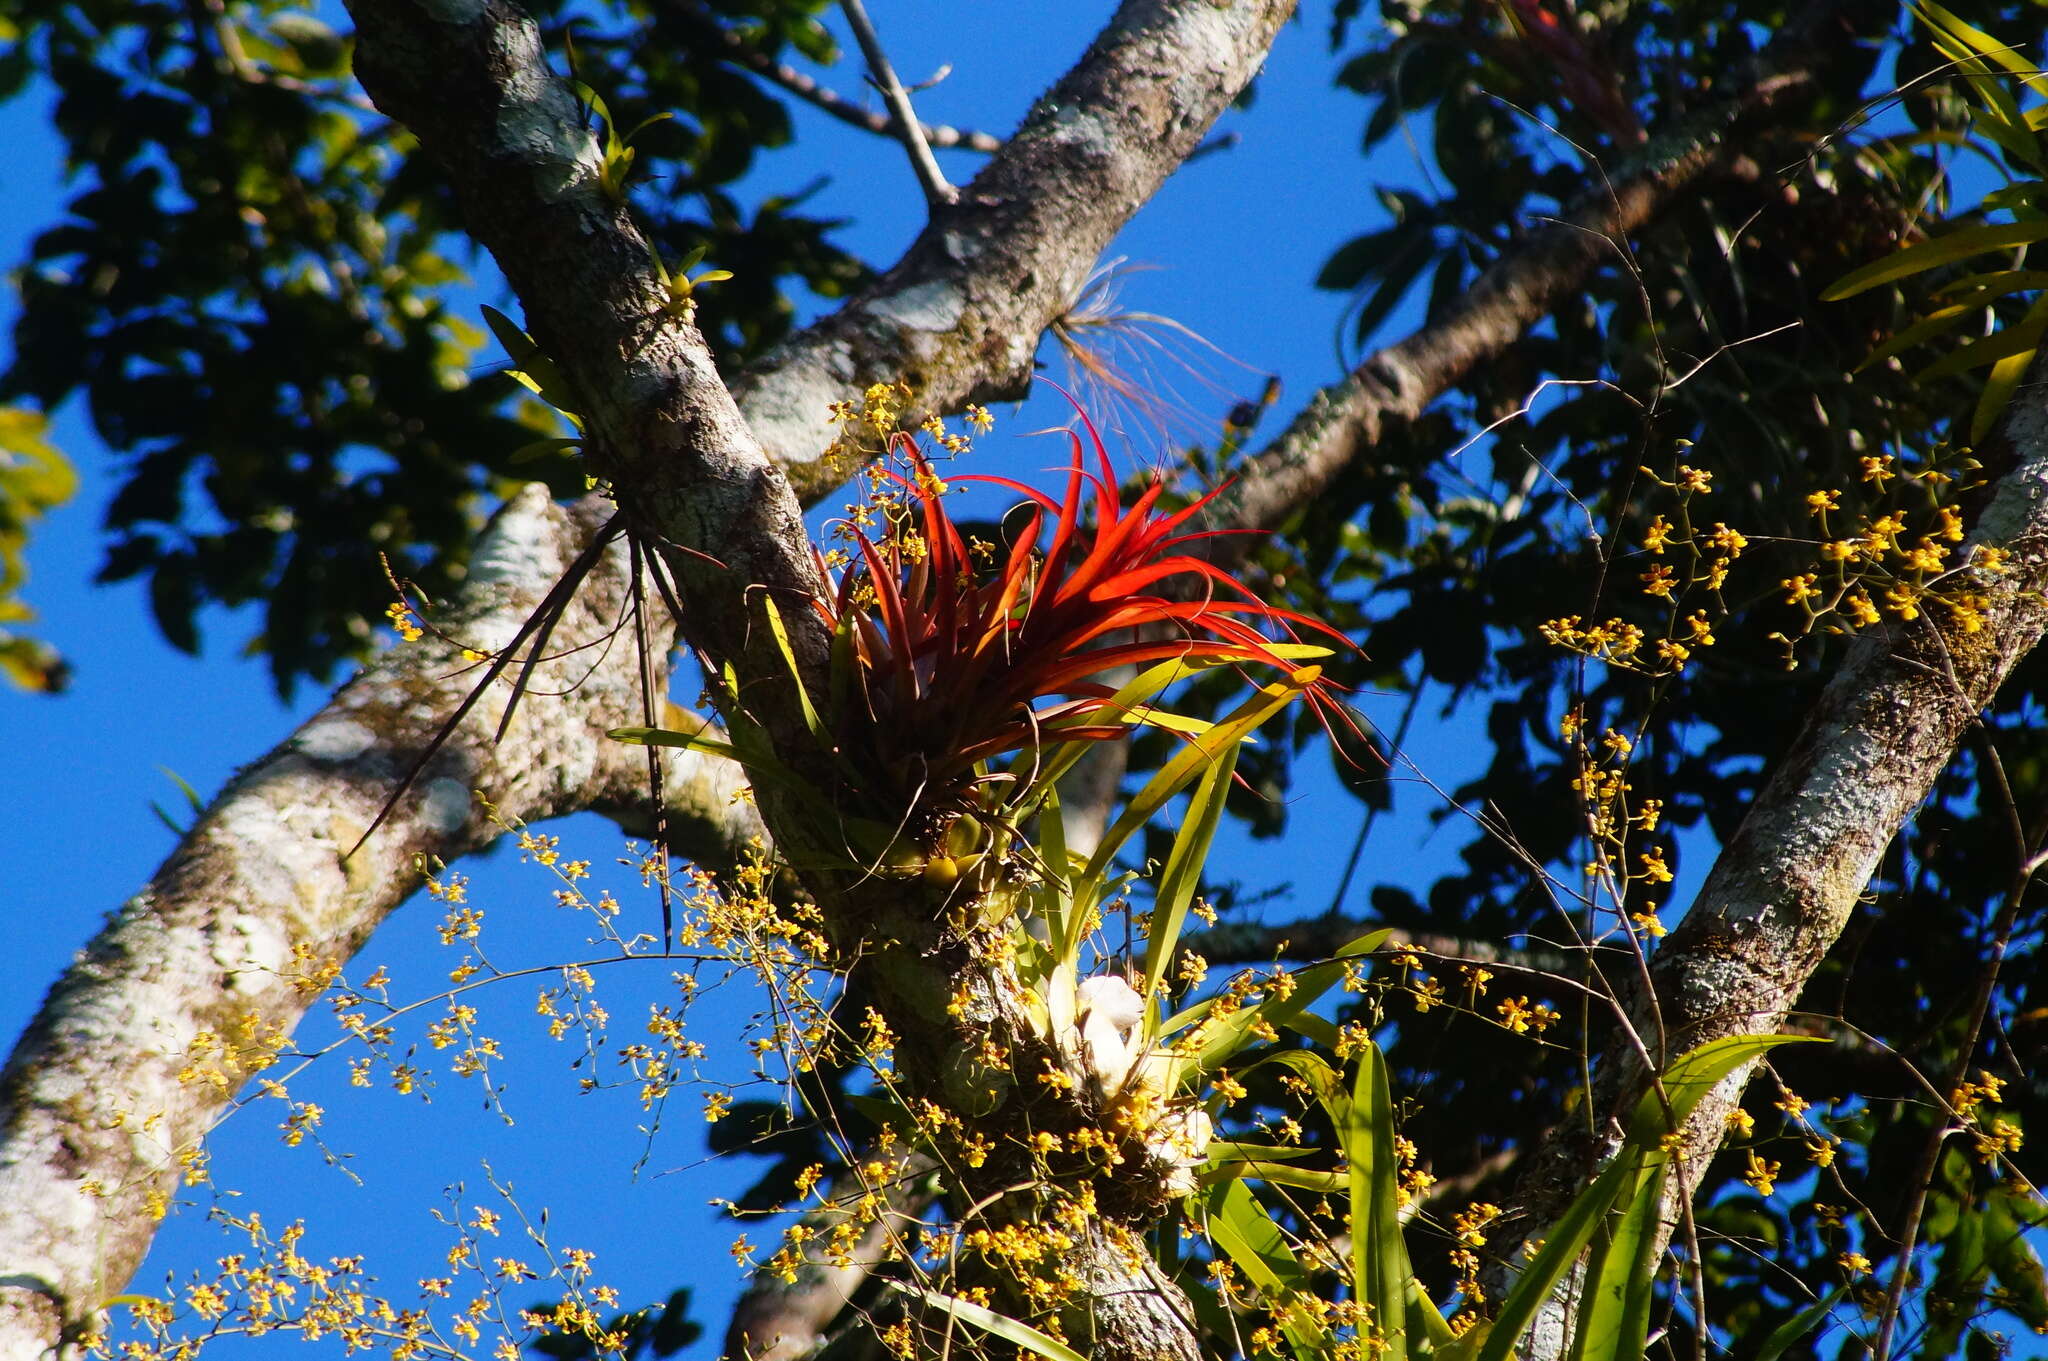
(263, 895)
(959, 316)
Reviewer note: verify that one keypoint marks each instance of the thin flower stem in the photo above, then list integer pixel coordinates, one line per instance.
(2028, 842)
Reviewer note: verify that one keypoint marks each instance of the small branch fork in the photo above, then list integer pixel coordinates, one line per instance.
(739, 52)
(937, 193)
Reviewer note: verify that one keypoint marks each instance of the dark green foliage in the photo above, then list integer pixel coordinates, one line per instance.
(1465, 549)
(263, 296)
(659, 1332)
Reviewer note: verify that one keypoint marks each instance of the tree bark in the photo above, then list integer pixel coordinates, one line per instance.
(112, 1079)
(1785, 885)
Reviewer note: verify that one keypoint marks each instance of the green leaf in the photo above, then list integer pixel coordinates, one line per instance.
(1055, 899)
(1238, 1224)
(531, 368)
(1013, 1331)
(1363, 1119)
(1183, 875)
(1132, 703)
(1799, 1325)
(669, 737)
(2013, 1259)
(540, 449)
(1682, 1086)
(1186, 764)
(1561, 1247)
(1241, 1227)
(1926, 255)
(752, 753)
(1614, 1311)
(820, 734)
(1696, 1073)
(1935, 323)
(1279, 1174)
(1380, 1272)
(1227, 1036)
(1426, 1320)
(2020, 338)
(1223, 1151)
(1999, 386)
(2004, 54)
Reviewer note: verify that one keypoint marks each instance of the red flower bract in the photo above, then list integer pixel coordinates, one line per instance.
(957, 666)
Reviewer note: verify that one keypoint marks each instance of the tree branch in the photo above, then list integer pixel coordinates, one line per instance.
(262, 895)
(903, 120)
(960, 315)
(1395, 385)
(737, 51)
(1321, 938)
(1786, 883)
(472, 83)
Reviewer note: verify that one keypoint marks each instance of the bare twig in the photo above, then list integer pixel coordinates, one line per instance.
(739, 52)
(937, 192)
(1321, 938)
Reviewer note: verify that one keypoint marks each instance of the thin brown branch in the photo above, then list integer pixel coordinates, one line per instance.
(1321, 938)
(739, 52)
(903, 119)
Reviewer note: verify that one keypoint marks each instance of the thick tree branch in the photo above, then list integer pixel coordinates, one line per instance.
(1395, 385)
(472, 83)
(263, 895)
(959, 317)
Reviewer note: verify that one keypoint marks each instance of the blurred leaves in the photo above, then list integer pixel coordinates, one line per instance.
(34, 480)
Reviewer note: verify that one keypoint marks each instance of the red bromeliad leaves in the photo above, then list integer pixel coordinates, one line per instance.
(957, 668)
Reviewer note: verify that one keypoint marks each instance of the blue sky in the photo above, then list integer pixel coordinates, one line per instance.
(1229, 250)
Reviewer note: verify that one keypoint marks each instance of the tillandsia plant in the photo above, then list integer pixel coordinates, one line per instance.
(967, 677)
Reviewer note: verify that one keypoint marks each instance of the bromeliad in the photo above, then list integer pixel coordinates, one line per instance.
(966, 678)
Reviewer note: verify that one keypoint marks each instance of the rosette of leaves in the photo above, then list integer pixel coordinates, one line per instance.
(966, 679)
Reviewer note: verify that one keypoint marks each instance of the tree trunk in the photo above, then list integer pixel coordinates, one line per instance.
(1785, 885)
